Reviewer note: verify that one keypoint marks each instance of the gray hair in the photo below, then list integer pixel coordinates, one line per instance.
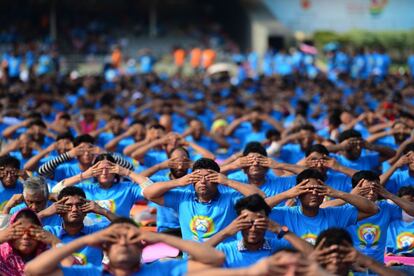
(34, 185)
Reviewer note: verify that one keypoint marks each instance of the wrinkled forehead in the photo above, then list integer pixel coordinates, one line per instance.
(253, 215)
(317, 155)
(203, 172)
(369, 183)
(254, 154)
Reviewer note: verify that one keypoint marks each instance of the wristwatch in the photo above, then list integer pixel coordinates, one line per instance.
(283, 231)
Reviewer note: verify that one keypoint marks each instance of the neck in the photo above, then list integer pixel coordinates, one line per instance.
(411, 173)
(73, 228)
(258, 181)
(310, 212)
(206, 198)
(253, 246)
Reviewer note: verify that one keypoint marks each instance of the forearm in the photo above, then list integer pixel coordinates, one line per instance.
(31, 164)
(332, 203)
(222, 272)
(345, 170)
(228, 168)
(67, 182)
(406, 205)
(152, 170)
(386, 176)
(198, 251)
(140, 152)
(384, 152)
(202, 151)
(296, 169)
(106, 213)
(131, 148)
(244, 189)
(277, 199)
(49, 167)
(9, 131)
(159, 189)
(218, 238)
(95, 133)
(377, 136)
(362, 204)
(334, 148)
(111, 145)
(298, 243)
(48, 261)
(232, 127)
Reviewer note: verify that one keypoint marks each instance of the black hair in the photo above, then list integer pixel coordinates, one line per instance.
(28, 214)
(333, 236)
(104, 156)
(406, 190)
(178, 148)
(272, 133)
(367, 175)
(137, 122)
(308, 174)
(37, 122)
(124, 220)
(409, 147)
(350, 133)
(65, 116)
(157, 126)
(71, 191)
(254, 147)
(307, 127)
(66, 135)
(206, 163)
(116, 117)
(317, 148)
(9, 161)
(85, 138)
(34, 116)
(253, 203)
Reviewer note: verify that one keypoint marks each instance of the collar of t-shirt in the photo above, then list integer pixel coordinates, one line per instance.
(215, 198)
(241, 246)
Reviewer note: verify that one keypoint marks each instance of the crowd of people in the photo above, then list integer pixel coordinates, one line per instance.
(286, 173)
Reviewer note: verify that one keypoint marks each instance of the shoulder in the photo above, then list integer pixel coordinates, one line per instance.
(87, 270)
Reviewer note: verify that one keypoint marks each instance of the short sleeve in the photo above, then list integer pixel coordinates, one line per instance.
(394, 210)
(278, 214)
(135, 192)
(278, 244)
(173, 198)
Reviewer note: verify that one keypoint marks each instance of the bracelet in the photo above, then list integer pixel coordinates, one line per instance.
(81, 177)
(147, 183)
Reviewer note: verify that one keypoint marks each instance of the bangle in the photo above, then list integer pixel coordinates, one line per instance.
(80, 176)
(147, 183)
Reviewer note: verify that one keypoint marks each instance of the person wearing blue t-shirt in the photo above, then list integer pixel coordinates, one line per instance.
(206, 207)
(400, 237)
(127, 139)
(112, 129)
(350, 148)
(123, 243)
(252, 127)
(35, 196)
(393, 137)
(178, 164)
(397, 177)
(63, 143)
(72, 207)
(410, 63)
(336, 175)
(197, 133)
(84, 151)
(9, 175)
(253, 222)
(309, 219)
(255, 166)
(110, 188)
(295, 145)
(370, 234)
(34, 127)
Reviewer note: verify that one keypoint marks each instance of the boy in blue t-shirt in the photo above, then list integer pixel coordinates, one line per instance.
(123, 243)
(205, 208)
(9, 174)
(370, 234)
(309, 219)
(253, 222)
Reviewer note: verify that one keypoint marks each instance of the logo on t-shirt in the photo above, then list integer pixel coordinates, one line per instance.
(405, 241)
(368, 235)
(202, 227)
(108, 204)
(80, 258)
(310, 238)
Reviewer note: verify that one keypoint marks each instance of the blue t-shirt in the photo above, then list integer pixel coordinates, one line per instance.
(66, 170)
(104, 138)
(364, 162)
(119, 198)
(198, 220)
(291, 153)
(273, 184)
(159, 268)
(205, 142)
(338, 181)
(154, 157)
(398, 179)
(400, 238)
(238, 256)
(50, 221)
(87, 254)
(308, 228)
(6, 194)
(370, 235)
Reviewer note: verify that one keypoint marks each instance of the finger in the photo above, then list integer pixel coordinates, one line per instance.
(321, 244)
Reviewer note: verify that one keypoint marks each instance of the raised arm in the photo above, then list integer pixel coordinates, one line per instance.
(244, 189)
(48, 168)
(199, 149)
(403, 160)
(156, 191)
(32, 163)
(9, 131)
(406, 205)
(384, 151)
(293, 192)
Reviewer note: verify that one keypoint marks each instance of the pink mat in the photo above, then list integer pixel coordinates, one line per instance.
(158, 251)
(403, 260)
